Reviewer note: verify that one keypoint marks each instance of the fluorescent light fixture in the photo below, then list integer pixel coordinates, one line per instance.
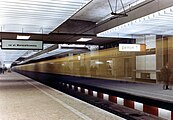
(98, 62)
(71, 45)
(23, 37)
(84, 39)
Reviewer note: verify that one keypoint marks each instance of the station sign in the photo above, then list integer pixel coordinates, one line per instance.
(22, 44)
(132, 47)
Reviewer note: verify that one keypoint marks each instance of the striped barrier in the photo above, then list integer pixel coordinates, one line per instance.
(166, 114)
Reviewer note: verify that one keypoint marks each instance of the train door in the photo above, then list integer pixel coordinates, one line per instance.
(128, 67)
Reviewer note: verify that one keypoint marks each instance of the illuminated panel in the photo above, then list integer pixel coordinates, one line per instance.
(36, 16)
(84, 39)
(22, 37)
(158, 23)
(132, 47)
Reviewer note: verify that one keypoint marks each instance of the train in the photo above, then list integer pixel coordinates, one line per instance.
(105, 64)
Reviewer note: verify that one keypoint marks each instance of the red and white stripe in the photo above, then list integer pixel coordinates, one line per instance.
(166, 114)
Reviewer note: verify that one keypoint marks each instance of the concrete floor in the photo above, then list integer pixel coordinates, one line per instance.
(24, 99)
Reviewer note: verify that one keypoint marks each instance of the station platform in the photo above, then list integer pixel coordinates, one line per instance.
(146, 97)
(22, 98)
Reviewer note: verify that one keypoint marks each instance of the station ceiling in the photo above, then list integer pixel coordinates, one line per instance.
(65, 21)
(60, 21)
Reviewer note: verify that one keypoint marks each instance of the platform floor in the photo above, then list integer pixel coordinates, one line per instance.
(22, 98)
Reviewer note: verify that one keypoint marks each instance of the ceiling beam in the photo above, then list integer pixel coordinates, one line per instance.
(143, 9)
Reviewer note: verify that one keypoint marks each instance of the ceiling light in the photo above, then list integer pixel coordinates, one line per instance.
(84, 39)
(45, 15)
(71, 45)
(22, 37)
(98, 62)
